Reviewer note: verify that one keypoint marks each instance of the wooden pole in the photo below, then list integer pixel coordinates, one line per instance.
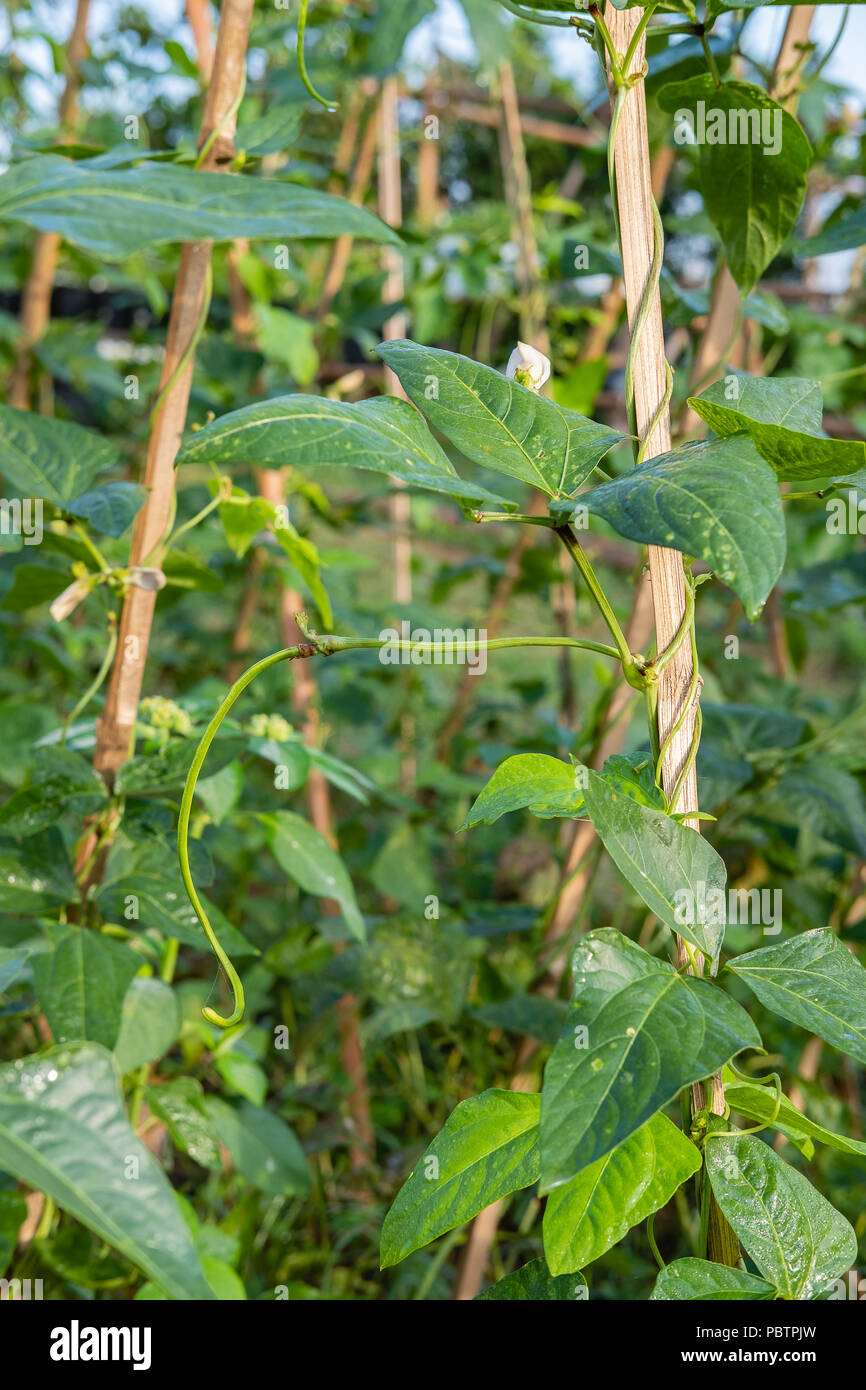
(114, 729)
(36, 297)
(634, 196)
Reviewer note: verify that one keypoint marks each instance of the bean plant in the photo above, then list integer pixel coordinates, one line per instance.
(653, 1137)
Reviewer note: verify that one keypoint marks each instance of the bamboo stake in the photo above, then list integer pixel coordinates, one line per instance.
(634, 196)
(114, 730)
(342, 249)
(36, 297)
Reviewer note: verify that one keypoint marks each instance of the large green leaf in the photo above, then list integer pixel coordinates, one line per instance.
(680, 877)
(799, 1242)
(535, 1282)
(306, 857)
(60, 781)
(783, 417)
(693, 1280)
(824, 797)
(111, 507)
(384, 435)
(487, 1148)
(263, 1148)
(115, 212)
(49, 458)
(544, 785)
(81, 983)
(815, 981)
(759, 1103)
(588, 1215)
(181, 1104)
(498, 423)
(64, 1132)
(752, 196)
(636, 1033)
(715, 499)
(36, 874)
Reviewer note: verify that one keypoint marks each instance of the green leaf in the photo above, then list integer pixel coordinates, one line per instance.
(544, 785)
(799, 1242)
(305, 558)
(275, 130)
(181, 1104)
(49, 458)
(783, 418)
(585, 1217)
(306, 857)
(825, 798)
(263, 1148)
(64, 1132)
(33, 585)
(288, 340)
(496, 422)
(671, 867)
(814, 981)
(535, 1282)
(36, 876)
(60, 782)
(752, 196)
(648, 1032)
(243, 1076)
(844, 233)
(113, 213)
(487, 1148)
(111, 507)
(384, 435)
(149, 1024)
(715, 499)
(81, 982)
(222, 792)
(243, 517)
(693, 1280)
(759, 1103)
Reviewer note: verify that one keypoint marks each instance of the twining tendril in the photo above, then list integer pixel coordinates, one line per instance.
(315, 646)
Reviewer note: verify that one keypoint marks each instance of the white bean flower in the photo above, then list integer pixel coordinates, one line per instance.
(528, 367)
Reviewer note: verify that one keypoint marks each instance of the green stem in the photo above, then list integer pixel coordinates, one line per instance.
(97, 679)
(630, 668)
(92, 547)
(711, 59)
(302, 62)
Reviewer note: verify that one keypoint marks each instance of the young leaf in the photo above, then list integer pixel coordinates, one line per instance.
(181, 1103)
(496, 422)
(759, 1103)
(678, 874)
(81, 983)
(263, 1148)
(487, 1148)
(536, 1282)
(149, 1024)
(715, 499)
(753, 188)
(783, 418)
(384, 435)
(692, 1280)
(114, 212)
(588, 1215)
(636, 1033)
(815, 981)
(64, 1132)
(49, 458)
(306, 857)
(799, 1242)
(542, 784)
